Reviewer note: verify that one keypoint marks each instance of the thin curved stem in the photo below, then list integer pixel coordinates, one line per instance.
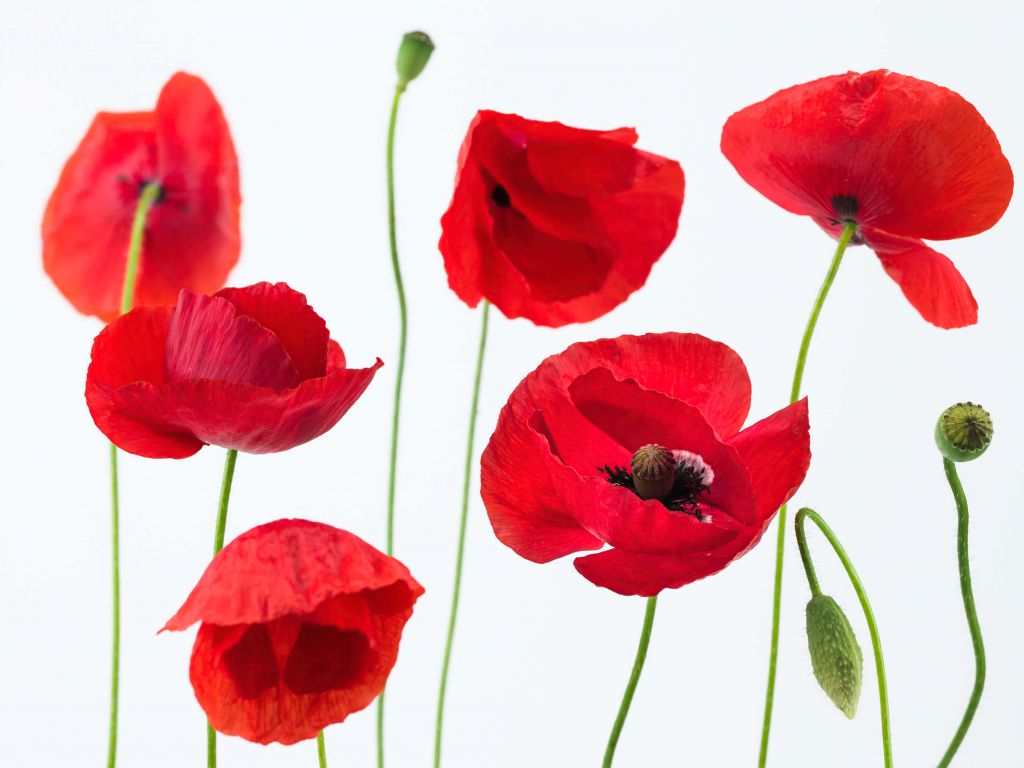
(402, 337)
(849, 229)
(150, 194)
(321, 749)
(972, 616)
(634, 678)
(865, 604)
(460, 550)
(218, 545)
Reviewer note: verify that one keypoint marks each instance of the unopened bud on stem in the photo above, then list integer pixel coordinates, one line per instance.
(413, 55)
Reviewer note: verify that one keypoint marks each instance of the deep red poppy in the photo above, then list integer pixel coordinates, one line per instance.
(904, 159)
(191, 238)
(301, 624)
(556, 224)
(560, 474)
(252, 369)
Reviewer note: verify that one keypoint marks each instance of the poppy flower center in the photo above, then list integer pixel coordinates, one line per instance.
(499, 196)
(846, 207)
(675, 478)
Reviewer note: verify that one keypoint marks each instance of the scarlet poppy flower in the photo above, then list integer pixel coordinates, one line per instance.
(634, 443)
(253, 369)
(902, 158)
(191, 237)
(556, 224)
(301, 624)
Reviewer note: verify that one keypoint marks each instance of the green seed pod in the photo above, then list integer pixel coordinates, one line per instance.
(413, 55)
(963, 432)
(835, 655)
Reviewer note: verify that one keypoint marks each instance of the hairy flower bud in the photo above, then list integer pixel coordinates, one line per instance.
(654, 471)
(963, 432)
(835, 655)
(413, 55)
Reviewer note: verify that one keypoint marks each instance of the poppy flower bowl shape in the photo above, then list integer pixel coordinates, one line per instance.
(634, 446)
(900, 159)
(191, 237)
(556, 224)
(301, 624)
(249, 369)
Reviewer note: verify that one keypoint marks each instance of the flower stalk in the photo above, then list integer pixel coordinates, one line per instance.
(634, 678)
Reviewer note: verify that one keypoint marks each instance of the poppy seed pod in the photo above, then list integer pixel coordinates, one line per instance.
(963, 432)
(413, 55)
(835, 654)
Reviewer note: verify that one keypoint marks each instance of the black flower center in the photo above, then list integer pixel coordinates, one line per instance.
(687, 487)
(846, 207)
(499, 196)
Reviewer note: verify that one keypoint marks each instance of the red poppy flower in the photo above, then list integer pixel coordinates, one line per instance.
(300, 628)
(252, 369)
(556, 224)
(904, 159)
(191, 238)
(635, 443)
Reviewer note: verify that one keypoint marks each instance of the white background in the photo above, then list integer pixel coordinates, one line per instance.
(541, 655)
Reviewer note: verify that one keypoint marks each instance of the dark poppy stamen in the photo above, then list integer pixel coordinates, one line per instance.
(688, 485)
(845, 206)
(499, 195)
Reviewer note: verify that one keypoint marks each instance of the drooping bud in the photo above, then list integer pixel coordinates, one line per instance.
(413, 55)
(835, 655)
(963, 432)
(654, 471)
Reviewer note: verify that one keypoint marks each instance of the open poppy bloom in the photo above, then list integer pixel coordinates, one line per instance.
(301, 624)
(634, 443)
(192, 232)
(903, 159)
(253, 369)
(556, 224)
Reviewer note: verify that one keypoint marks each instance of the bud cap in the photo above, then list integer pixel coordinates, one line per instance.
(413, 55)
(963, 432)
(835, 655)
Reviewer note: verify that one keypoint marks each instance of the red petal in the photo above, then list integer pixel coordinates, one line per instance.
(927, 278)
(634, 573)
(285, 311)
(130, 350)
(288, 567)
(206, 340)
(777, 452)
(919, 159)
(88, 219)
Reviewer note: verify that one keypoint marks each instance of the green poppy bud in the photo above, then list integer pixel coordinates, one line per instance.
(835, 655)
(413, 55)
(963, 432)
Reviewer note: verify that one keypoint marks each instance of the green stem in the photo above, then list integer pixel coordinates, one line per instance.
(321, 750)
(634, 678)
(849, 229)
(460, 550)
(865, 604)
(149, 195)
(972, 615)
(218, 545)
(403, 334)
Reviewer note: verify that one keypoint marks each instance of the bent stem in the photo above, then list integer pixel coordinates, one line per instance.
(972, 616)
(218, 545)
(149, 195)
(634, 678)
(402, 336)
(849, 229)
(321, 750)
(865, 604)
(460, 550)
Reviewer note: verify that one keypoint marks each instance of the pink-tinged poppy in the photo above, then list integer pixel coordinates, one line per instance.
(635, 446)
(903, 159)
(252, 369)
(191, 237)
(301, 624)
(556, 224)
